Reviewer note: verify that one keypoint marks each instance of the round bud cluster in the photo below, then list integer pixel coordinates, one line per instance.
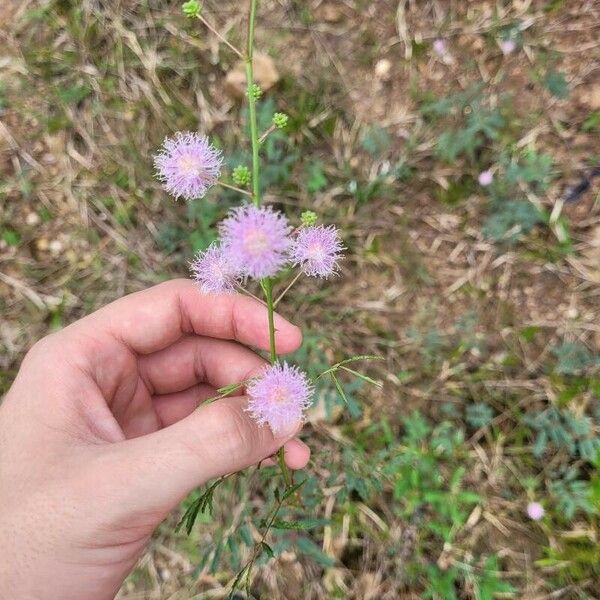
(308, 218)
(256, 91)
(191, 8)
(241, 175)
(280, 120)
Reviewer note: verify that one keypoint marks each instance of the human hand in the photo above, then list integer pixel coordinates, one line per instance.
(100, 437)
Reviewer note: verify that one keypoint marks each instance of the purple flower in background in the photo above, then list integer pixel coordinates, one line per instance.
(256, 240)
(485, 178)
(535, 511)
(439, 47)
(188, 165)
(213, 271)
(317, 250)
(279, 397)
(508, 46)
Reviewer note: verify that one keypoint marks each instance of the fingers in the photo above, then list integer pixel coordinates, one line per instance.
(297, 455)
(195, 359)
(220, 438)
(171, 408)
(154, 319)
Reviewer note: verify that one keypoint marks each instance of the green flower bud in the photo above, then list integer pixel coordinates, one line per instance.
(241, 175)
(256, 91)
(308, 218)
(280, 120)
(191, 8)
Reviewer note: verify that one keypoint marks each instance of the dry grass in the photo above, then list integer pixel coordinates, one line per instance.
(88, 90)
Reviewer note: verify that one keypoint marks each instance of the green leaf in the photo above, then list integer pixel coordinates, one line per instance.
(363, 377)
(339, 388)
(556, 84)
(11, 237)
(376, 140)
(511, 220)
(74, 95)
(292, 490)
(347, 361)
(267, 549)
(204, 504)
(236, 584)
(315, 177)
(592, 123)
(573, 357)
(190, 516)
(457, 102)
(309, 548)
(303, 525)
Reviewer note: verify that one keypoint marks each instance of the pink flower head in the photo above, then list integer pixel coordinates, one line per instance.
(535, 511)
(279, 397)
(485, 178)
(188, 165)
(508, 46)
(256, 240)
(317, 250)
(213, 271)
(439, 47)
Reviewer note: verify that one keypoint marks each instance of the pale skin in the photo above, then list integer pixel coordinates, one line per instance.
(101, 435)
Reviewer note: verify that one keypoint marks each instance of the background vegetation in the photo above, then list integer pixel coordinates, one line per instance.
(484, 301)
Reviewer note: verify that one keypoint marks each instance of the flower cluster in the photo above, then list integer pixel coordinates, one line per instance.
(256, 242)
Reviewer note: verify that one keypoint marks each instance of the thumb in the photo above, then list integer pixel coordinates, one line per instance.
(220, 438)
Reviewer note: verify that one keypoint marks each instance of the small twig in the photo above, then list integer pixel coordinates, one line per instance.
(287, 289)
(247, 293)
(220, 36)
(266, 134)
(234, 188)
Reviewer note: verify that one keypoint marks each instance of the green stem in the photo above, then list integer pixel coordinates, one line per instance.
(252, 104)
(268, 288)
(267, 284)
(284, 468)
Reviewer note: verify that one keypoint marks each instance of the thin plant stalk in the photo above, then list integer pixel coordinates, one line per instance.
(267, 283)
(219, 36)
(287, 289)
(252, 104)
(234, 188)
(266, 134)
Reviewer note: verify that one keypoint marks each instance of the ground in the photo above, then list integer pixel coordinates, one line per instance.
(483, 301)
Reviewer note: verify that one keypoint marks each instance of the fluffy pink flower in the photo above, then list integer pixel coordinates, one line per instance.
(256, 240)
(214, 272)
(508, 46)
(485, 178)
(535, 511)
(188, 165)
(317, 250)
(279, 397)
(439, 47)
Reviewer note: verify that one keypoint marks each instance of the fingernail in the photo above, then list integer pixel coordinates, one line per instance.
(288, 430)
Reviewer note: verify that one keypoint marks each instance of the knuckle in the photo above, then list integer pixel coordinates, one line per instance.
(43, 348)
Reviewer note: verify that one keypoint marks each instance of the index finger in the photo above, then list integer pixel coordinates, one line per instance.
(155, 318)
